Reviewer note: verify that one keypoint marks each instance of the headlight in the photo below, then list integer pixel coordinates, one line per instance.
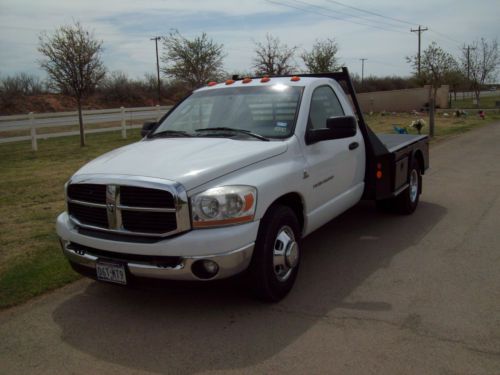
(225, 205)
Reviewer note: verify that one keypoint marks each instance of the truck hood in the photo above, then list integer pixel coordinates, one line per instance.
(190, 161)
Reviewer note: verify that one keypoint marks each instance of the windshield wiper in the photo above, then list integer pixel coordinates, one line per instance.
(170, 133)
(242, 131)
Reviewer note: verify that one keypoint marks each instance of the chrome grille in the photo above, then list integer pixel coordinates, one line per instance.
(88, 193)
(144, 197)
(89, 215)
(122, 205)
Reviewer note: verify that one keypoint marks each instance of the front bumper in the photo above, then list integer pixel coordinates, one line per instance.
(231, 248)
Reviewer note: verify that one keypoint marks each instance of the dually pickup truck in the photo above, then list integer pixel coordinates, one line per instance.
(231, 179)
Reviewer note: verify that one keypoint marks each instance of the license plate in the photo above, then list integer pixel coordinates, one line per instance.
(111, 272)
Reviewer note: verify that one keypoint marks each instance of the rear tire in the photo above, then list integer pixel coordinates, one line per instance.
(276, 257)
(407, 201)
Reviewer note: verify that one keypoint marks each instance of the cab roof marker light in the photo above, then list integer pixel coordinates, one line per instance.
(295, 79)
(229, 81)
(212, 83)
(247, 80)
(265, 79)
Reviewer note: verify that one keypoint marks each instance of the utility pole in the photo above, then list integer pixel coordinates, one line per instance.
(362, 70)
(156, 39)
(420, 30)
(469, 48)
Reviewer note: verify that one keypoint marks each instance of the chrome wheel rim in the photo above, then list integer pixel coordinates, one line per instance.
(413, 185)
(285, 253)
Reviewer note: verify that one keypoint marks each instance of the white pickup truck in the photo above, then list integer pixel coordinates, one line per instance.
(231, 179)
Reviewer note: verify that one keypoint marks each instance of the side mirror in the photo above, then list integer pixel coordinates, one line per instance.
(342, 127)
(148, 127)
(336, 128)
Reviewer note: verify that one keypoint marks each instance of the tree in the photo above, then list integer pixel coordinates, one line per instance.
(322, 57)
(480, 64)
(194, 62)
(273, 57)
(73, 63)
(435, 65)
(456, 79)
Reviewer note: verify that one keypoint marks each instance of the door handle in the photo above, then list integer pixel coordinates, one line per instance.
(353, 145)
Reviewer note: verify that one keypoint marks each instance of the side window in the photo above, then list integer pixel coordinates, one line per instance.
(324, 104)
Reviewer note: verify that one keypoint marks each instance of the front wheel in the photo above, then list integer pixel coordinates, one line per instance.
(276, 257)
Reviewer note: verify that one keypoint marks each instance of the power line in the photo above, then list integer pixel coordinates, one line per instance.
(335, 11)
(445, 36)
(393, 19)
(330, 16)
(370, 12)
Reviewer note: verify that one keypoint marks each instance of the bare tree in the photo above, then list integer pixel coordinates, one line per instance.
(435, 65)
(322, 57)
(195, 61)
(274, 57)
(481, 64)
(456, 79)
(73, 63)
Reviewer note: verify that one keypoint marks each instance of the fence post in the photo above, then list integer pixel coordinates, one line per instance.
(34, 143)
(124, 123)
(158, 112)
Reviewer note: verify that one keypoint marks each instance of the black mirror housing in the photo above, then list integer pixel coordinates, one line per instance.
(148, 127)
(342, 127)
(336, 128)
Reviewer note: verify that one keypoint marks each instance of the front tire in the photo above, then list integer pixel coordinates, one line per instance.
(276, 257)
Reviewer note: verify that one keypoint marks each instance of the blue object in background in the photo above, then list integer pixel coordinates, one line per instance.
(399, 130)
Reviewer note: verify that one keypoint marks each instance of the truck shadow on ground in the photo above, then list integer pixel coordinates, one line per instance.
(185, 329)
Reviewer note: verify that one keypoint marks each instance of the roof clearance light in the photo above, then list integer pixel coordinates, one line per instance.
(265, 79)
(247, 80)
(212, 83)
(295, 79)
(229, 82)
(279, 87)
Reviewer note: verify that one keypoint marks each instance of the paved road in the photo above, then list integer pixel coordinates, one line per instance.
(376, 294)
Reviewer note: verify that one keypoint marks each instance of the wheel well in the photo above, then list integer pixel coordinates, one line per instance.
(294, 201)
(420, 158)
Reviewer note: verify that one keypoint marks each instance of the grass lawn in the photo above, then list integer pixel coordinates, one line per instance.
(485, 102)
(32, 195)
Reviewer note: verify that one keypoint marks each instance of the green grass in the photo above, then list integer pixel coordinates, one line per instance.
(445, 126)
(485, 102)
(32, 195)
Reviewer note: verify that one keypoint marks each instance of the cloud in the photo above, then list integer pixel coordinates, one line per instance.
(126, 27)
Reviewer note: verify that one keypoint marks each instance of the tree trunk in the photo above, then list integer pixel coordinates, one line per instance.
(432, 104)
(80, 121)
(477, 93)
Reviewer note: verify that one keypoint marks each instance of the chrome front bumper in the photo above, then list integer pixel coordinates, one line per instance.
(230, 263)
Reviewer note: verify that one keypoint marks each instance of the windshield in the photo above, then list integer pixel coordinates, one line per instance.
(268, 111)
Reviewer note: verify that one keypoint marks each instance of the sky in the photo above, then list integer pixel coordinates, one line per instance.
(378, 31)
